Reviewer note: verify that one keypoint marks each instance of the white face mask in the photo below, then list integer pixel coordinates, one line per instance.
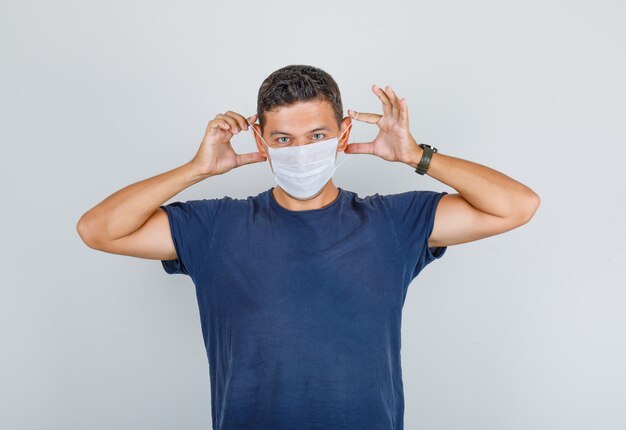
(303, 170)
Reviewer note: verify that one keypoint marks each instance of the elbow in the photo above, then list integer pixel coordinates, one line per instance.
(529, 208)
(86, 230)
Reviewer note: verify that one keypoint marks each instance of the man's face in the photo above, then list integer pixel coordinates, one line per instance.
(300, 124)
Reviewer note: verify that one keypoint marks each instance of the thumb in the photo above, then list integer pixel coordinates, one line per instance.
(370, 118)
(249, 158)
(359, 148)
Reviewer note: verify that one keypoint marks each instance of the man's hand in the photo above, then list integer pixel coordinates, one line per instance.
(394, 141)
(216, 154)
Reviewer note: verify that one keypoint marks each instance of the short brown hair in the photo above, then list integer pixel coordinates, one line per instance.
(295, 83)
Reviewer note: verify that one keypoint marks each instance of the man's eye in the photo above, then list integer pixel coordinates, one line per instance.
(321, 135)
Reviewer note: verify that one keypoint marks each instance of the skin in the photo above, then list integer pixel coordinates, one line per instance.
(296, 124)
(487, 202)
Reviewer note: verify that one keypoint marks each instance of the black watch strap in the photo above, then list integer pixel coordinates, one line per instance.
(422, 167)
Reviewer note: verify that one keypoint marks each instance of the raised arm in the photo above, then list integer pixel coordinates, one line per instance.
(488, 202)
(131, 222)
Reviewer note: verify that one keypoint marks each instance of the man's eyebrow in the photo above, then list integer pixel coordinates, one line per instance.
(287, 134)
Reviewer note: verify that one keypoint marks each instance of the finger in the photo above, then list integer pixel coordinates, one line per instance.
(404, 113)
(359, 148)
(251, 120)
(220, 123)
(387, 108)
(231, 122)
(393, 98)
(241, 121)
(250, 157)
(370, 118)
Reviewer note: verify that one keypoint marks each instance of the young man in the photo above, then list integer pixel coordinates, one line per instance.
(301, 287)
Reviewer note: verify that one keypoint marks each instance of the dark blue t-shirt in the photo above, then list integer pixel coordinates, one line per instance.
(301, 310)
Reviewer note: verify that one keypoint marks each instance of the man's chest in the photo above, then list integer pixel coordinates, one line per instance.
(311, 272)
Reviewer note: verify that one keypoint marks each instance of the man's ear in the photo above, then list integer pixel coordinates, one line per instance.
(343, 142)
(259, 143)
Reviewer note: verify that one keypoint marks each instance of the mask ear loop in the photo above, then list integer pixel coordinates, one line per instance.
(348, 156)
(262, 140)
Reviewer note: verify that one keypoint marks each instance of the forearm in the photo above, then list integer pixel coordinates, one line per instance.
(124, 211)
(483, 187)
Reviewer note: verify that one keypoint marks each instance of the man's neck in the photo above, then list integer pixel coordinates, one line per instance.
(326, 196)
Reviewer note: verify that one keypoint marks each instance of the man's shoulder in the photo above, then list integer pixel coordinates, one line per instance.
(241, 202)
(363, 202)
(215, 203)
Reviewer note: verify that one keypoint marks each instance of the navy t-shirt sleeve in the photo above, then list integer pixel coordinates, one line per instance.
(413, 214)
(191, 226)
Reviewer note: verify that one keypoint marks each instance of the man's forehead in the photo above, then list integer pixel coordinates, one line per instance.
(306, 117)
(314, 130)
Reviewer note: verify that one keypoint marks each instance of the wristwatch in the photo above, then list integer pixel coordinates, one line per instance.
(422, 167)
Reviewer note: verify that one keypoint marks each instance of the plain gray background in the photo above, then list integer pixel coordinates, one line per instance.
(525, 330)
